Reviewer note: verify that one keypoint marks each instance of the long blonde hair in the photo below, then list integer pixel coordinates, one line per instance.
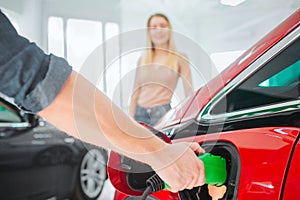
(148, 54)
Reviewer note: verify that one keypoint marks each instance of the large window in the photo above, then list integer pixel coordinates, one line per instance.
(112, 74)
(83, 36)
(77, 39)
(276, 82)
(56, 36)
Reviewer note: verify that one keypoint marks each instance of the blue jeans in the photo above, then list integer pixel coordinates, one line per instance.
(150, 115)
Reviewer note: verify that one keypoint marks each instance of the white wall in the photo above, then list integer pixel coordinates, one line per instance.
(29, 18)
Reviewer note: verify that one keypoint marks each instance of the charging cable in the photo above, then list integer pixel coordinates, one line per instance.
(154, 184)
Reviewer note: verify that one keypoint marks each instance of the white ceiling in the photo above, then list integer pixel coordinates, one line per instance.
(214, 26)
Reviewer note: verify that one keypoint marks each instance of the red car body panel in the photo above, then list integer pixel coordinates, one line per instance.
(166, 195)
(261, 177)
(190, 109)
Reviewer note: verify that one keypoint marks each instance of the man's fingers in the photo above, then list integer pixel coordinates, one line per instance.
(201, 178)
(198, 178)
(196, 148)
(187, 170)
(194, 179)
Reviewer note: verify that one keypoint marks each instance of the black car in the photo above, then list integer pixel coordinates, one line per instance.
(38, 161)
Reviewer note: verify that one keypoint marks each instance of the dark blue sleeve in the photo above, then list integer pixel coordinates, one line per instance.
(27, 74)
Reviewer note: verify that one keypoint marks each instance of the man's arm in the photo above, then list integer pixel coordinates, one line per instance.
(86, 113)
(34, 79)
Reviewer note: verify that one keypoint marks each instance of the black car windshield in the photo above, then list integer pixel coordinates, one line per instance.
(277, 81)
(7, 114)
(286, 77)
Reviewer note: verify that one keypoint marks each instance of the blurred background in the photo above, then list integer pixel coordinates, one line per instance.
(103, 39)
(212, 33)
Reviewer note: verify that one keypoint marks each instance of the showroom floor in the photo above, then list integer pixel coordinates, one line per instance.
(108, 191)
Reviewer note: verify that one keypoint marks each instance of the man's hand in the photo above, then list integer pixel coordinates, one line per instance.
(186, 171)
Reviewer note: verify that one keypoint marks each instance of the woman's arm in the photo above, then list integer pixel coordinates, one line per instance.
(135, 92)
(185, 74)
(86, 113)
(133, 103)
(134, 99)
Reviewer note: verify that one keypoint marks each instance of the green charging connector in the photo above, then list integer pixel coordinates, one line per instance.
(215, 169)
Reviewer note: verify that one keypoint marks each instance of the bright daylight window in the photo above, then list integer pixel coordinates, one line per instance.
(56, 36)
(83, 37)
(113, 71)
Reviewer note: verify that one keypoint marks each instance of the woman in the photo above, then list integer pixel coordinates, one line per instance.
(158, 72)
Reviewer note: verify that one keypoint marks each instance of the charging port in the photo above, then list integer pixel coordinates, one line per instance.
(230, 154)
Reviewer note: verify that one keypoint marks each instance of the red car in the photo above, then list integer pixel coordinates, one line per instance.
(249, 115)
